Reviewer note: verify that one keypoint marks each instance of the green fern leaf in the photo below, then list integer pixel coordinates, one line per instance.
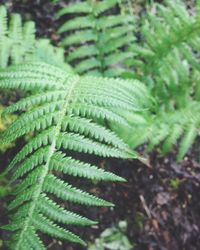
(18, 43)
(94, 38)
(187, 141)
(65, 113)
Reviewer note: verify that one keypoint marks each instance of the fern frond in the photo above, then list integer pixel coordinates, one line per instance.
(181, 36)
(181, 29)
(187, 141)
(42, 223)
(168, 129)
(168, 62)
(95, 39)
(50, 54)
(18, 43)
(4, 40)
(59, 214)
(63, 116)
(69, 166)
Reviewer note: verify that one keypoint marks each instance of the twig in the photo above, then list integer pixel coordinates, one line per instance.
(145, 206)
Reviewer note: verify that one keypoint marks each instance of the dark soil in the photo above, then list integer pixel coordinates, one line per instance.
(160, 200)
(160, 203)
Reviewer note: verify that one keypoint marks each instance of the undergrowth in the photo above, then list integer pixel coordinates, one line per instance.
(153, 99)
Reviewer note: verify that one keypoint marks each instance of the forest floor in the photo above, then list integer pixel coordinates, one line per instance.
(160, 202)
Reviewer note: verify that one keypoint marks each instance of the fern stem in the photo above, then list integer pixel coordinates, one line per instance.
(45, 171)
(96, 30)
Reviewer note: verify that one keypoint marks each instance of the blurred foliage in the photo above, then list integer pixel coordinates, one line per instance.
(175, 183)
(113, 238)
(4, 187)
(4, 122)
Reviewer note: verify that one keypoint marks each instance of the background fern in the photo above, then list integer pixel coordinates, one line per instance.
(65, 113)
(168, 62)
(96, 38)
(18, 43)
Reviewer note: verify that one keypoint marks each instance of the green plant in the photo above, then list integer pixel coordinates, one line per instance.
(18, 43)
(65, 113)
(4, 186)
(4, 122)
(168, 62)
(96, 38)
(168, 55)
(113, 238)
